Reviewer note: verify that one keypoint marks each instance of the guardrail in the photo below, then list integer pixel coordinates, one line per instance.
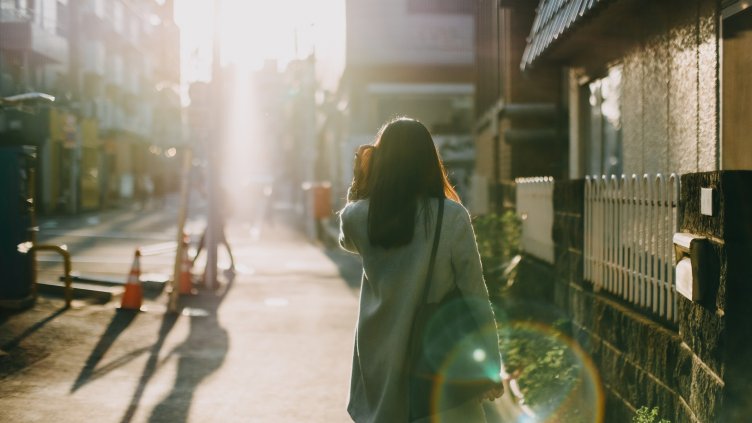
(30, 248)
(628, 251)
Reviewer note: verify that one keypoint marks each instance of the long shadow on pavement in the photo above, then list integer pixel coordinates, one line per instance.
(168, 322)
(202, 353)
(31, 329)
(120, 321)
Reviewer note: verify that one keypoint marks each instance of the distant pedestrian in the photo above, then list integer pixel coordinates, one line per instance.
(224, 212)
(398, 185)
(158, 197)
(144, 191)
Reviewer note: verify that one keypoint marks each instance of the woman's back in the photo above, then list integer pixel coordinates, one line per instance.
(398, 184)
(391, 289)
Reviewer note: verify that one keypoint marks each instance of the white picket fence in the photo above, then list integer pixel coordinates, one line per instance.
(629, 226)
(535, 206)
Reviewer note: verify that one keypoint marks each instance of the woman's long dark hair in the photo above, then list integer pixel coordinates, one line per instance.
(404, 170)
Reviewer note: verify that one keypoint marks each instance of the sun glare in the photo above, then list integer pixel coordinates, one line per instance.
(253, 31)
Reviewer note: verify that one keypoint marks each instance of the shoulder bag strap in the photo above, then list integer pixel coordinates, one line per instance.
(436, 237)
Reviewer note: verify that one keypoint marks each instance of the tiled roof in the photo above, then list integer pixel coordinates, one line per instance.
(553, 18)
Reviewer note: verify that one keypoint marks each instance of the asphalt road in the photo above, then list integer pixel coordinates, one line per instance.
(103, 243)
(273, 344)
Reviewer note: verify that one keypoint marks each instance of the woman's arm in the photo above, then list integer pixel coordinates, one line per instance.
(466, 262)
(345, 239)
(468, 273)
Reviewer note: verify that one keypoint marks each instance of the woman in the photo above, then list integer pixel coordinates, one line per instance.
(390, 221)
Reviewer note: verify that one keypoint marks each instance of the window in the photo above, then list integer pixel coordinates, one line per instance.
(62, 19)
(602, 126)
(441, 6)
(442, 114)
(118, 17)
(100, 8)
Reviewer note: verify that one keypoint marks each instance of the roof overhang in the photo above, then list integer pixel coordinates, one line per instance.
(567, 31)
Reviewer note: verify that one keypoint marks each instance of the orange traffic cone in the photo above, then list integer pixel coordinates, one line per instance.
(185, 283)
(133, 295)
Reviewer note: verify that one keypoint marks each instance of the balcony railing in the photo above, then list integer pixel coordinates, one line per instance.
(15, 14)
(628, 251)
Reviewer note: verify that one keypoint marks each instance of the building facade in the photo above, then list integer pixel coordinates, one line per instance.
(657, 96)
(653, 88)
(409, 58)
(114, 68)
(520, 118)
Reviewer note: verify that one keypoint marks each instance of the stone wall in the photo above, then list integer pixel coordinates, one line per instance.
(637, 357)
(717, 329)
(694, 370)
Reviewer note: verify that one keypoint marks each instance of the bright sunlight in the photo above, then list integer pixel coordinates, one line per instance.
(253, 31)
(252, 34)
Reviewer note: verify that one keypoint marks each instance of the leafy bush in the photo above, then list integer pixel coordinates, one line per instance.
(648, 415)
(546, 368)
(498, 238)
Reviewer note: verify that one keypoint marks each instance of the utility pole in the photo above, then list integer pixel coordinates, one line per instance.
(213, 185)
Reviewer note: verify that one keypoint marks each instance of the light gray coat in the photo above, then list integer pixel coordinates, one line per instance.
(391, 289)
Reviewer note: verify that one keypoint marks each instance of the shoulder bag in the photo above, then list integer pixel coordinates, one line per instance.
(448, 363)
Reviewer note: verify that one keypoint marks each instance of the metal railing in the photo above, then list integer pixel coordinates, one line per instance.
(535, 206)
(628, 251)
(31, 248)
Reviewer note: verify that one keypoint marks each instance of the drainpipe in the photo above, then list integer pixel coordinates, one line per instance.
(498, 197)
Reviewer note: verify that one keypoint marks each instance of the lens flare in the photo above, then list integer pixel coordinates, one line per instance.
(556, 380)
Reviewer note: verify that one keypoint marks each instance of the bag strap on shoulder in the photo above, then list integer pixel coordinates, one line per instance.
(435, 248)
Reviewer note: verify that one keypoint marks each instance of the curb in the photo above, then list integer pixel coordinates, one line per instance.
(99, 289)
(98, 293)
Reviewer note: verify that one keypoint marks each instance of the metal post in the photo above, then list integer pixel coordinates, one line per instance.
(33, 229)
(172, 305)
(212, 224)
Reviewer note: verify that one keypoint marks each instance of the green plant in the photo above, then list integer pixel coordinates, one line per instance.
(547, 370)
(648, 415)
(545, 367)
(498, 238)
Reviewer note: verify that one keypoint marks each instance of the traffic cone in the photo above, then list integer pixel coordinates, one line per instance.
(133, 295)
(185, 283)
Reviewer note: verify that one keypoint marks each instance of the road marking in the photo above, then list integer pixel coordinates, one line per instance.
(194, 312)
(161, 248)
(276, 302)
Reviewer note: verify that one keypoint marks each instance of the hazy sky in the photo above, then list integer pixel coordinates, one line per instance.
(255, 30)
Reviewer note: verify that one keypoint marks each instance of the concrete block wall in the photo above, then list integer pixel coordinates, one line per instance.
(717, 330)
(636, 356)
(695, 370)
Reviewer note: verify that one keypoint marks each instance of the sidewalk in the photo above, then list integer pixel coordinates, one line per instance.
(274, 345)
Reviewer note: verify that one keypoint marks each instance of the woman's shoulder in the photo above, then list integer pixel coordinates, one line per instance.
(354, 210)
(455, 211)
